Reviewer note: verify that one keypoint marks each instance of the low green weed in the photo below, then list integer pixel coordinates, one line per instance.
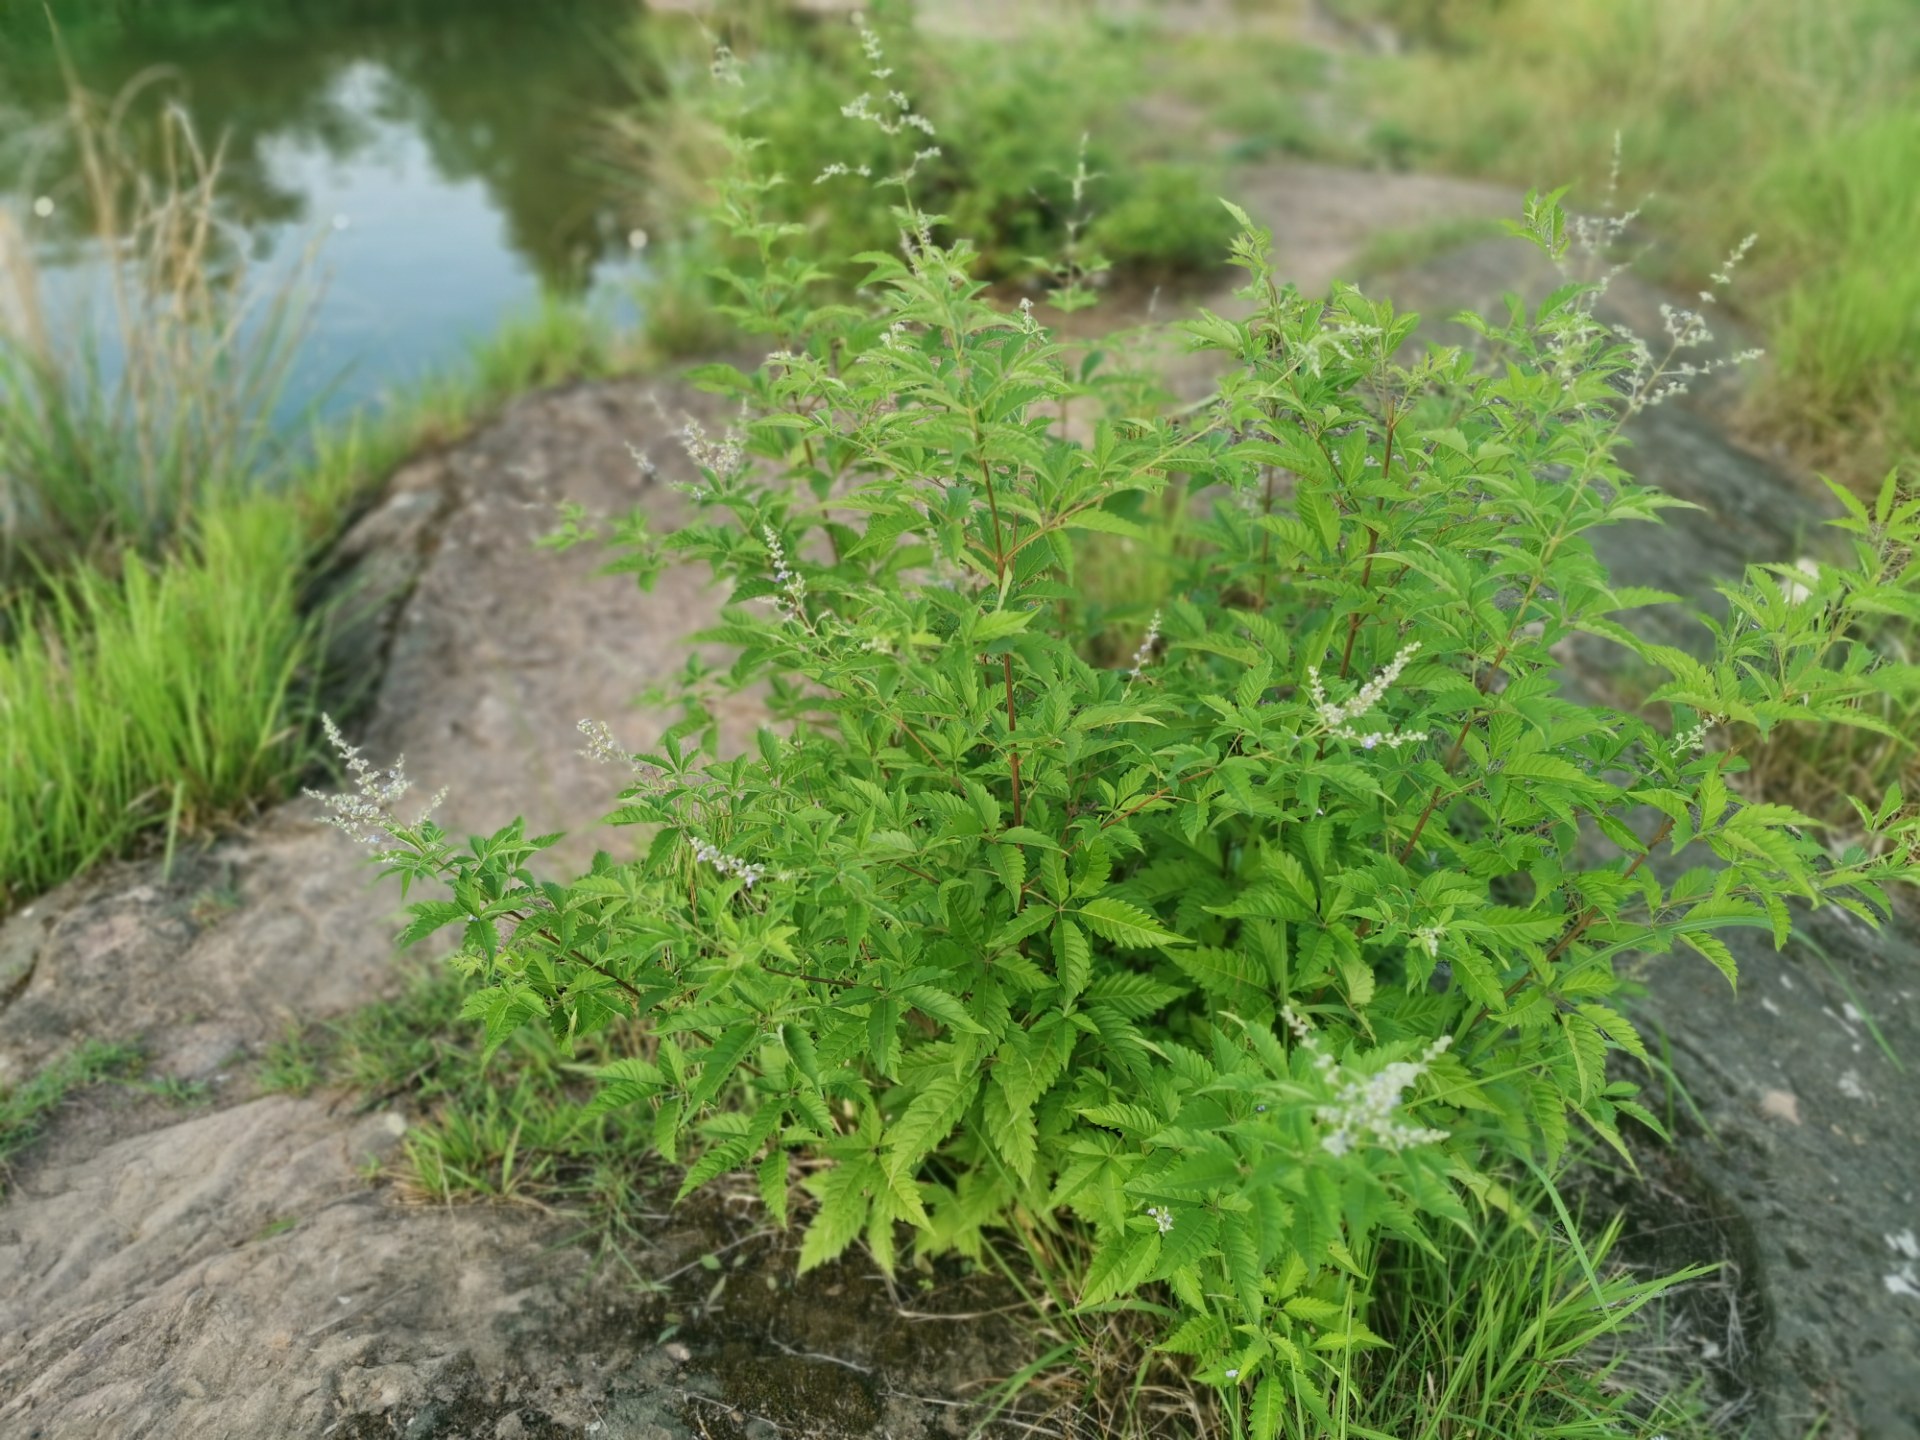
(1237, 970)
(24, 1107)
(514, 1124)
(167, 699)
(292, 1065)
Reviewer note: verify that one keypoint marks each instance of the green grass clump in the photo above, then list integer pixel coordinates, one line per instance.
(513, 1126)
(1533, 1328)
(25, 1107)
(174, 695)
(167, 697)
(111, 447)
(1845, 210)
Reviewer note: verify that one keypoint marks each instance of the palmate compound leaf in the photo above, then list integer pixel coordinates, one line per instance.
(718, 1062)
(429, 916)
(1199, 1334)
(1072, 958)
(929, 1119)
(1193, 1235)
(1240, 1256)
(1231, 976)
(629, 1081)
(503, 1009)
(771, 1178)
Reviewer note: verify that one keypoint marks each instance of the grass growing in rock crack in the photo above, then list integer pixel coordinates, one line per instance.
(25, 1107)
(513, 1127)
(167, 698)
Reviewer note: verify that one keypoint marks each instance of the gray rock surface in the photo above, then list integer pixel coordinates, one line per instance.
(1801, 1132)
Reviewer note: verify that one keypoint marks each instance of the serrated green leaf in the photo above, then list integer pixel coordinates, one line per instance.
(1127, 926)
(1072, 958)
(1119, 1266)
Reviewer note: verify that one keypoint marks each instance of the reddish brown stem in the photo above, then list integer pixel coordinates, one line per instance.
(1366, 572)
(523, 918)
(1266, 540)
(1592, 912)
(1421, 824)
(814, 979)
(1353, 620)
(1013, 753)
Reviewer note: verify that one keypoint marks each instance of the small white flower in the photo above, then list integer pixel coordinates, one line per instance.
(1363, 1108)
(707, 853)
(1724, 275)
(1338, 718)
(1162, 1219)
(723, 457)
(1694, 740)
(367, 815)
(601, 746)
(1144, 655)
(793, 585)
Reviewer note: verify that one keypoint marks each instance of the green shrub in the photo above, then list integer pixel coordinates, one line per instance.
(1293, 937)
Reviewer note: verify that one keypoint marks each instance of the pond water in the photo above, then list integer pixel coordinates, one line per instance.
(445, 150)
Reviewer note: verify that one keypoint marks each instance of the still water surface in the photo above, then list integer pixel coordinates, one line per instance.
(445, 149)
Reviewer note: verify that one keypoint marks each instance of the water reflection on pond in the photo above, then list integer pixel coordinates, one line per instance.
(446, 147)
